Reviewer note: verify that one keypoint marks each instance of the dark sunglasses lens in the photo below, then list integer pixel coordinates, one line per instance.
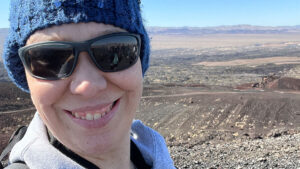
(50, 61)
(115, 53)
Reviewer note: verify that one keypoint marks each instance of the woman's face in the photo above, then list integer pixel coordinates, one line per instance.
(91, 111)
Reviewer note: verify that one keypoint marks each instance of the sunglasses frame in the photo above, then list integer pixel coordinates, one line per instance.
(78, 47)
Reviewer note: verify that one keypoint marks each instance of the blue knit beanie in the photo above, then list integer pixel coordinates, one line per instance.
(28, 16)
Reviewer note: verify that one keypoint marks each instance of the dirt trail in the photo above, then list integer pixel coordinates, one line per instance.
(220, 92)
(18, 111)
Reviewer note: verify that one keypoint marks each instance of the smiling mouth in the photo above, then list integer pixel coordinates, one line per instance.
(93, 114)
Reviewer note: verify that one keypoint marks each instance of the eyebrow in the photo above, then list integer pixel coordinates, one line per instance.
(48, 38)
(65, 39)
(109, 32)
(57, 39)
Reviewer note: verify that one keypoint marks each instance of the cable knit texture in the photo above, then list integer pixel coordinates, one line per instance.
(28, 16)
(36, 151)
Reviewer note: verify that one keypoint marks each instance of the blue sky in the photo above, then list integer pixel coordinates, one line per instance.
(209, 12)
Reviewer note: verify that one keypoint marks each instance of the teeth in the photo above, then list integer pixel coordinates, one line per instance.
(91, 115)
(97, 116)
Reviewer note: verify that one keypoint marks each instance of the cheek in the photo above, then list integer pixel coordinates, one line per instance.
(44, 92)
(130, 79)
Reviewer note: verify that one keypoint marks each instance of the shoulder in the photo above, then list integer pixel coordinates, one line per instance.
(17, 166)
(145, 133)
(36, 151)
(152, 145)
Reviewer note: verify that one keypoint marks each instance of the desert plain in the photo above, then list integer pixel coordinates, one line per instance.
(222, 100)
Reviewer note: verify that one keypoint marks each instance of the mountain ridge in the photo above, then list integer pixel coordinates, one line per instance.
(234, 29)
(223, 29)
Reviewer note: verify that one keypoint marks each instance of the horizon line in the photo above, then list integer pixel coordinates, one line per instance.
(209, 26)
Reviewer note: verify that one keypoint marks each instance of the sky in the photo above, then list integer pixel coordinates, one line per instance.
(202, 13)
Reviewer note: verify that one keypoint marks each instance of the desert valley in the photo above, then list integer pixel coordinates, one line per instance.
(223, 97)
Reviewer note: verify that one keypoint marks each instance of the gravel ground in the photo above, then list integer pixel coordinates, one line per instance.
(272, 152)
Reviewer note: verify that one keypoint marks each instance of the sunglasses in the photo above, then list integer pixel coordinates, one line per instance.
(55, 60)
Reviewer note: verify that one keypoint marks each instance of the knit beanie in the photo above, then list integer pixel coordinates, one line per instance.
(28, 16)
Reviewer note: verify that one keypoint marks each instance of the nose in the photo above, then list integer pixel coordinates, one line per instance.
(87, 80)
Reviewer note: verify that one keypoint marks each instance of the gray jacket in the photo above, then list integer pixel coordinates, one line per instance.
(36, 151)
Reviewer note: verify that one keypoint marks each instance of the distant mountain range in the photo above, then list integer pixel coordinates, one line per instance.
(3, 34)
(236, 29)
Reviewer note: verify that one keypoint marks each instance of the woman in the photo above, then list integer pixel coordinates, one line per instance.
(83, 63)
